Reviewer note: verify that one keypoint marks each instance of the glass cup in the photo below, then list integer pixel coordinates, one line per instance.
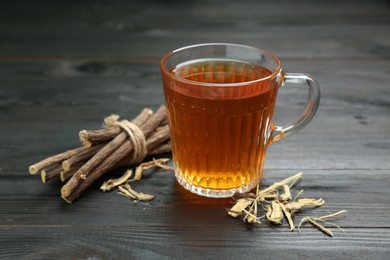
(220, 100)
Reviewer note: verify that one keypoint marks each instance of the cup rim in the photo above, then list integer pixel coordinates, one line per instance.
(276, 71)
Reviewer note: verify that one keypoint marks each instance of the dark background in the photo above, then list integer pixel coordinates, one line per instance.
(65, 65)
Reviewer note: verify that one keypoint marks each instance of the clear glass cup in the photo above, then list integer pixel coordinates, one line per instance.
(220, 100)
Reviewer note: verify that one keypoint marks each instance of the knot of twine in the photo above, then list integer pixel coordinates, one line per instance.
(135, 134)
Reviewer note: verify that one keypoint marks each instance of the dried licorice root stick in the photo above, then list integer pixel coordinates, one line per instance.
(163, 148)
(67, 173)
(68, 167)
(123, 151)
(156, 138)
(70, 193)
(101, 155)
(108, 164)
(141, 119)
(82, 156)
(50, 172)
(106, 134)
(33, 169)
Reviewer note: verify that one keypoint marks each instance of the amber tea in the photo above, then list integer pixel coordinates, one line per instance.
(220, 135)
(220, 100)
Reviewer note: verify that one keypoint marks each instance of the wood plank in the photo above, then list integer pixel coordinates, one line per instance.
(55, 100)
(65, 65)
(190, 242)
(285, 9)
(131, 29)
(350, 83)
(35, 223)
(27, 202)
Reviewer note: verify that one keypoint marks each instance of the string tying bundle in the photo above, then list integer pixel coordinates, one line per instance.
(135, 134)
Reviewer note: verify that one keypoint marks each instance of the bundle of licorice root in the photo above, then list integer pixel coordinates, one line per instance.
(119, 143)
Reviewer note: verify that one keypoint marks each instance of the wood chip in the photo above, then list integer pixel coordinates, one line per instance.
(287, 193)
(128, 192)
(111, 183)
(161, 162)
(317, 225)
(279, 206)
(276, 215)
(288, 215)
(240, 206)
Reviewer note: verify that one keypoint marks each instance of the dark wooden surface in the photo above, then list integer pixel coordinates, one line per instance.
(64, 65)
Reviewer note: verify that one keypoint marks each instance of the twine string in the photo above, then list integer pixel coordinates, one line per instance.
(135, 134)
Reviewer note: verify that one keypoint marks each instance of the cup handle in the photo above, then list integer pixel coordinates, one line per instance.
(299, 79)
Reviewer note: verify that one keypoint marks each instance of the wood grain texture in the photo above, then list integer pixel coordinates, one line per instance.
(75, 96)
(176, 242)
(65, 65)
(28, 202)
(138, 29)
(175, 223)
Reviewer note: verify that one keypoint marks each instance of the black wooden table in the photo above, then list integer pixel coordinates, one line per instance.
(64, 65)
